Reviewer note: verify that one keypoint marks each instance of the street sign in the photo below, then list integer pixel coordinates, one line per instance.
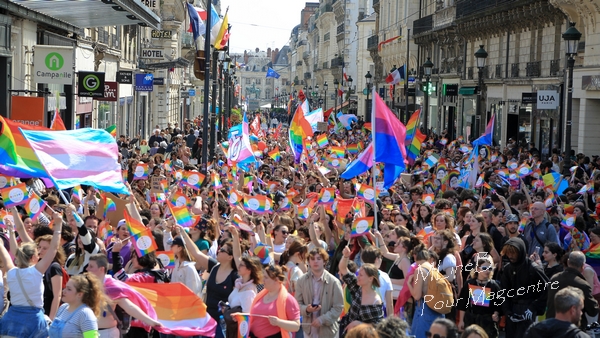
(156, 34)
(53, 64)
(185, 95)
(125, 77)
(547, 99)
(192, 92)
(90, 84)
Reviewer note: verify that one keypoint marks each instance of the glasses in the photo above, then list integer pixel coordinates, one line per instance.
(485, 268)
(225, 251)
(429, 335)
(284, 232)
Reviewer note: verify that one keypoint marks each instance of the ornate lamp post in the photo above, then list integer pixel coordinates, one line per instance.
(325, 86)
(336, 83)
(368, 79)
(480, 55)
(427, 66)
(571, 37)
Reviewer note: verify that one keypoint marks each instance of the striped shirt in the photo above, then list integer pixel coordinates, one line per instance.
(82, 321)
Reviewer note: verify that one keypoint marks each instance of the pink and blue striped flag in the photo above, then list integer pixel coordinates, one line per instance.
(240, 150)
(75, 157)
(389, 137)
(486, 138)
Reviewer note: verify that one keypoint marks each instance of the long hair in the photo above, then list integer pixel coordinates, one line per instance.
(447, 235)
(295, 247)
(253, 264)
(93, 296)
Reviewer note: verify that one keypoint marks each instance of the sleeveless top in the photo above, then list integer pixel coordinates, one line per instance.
(218, 292)
(395, 271)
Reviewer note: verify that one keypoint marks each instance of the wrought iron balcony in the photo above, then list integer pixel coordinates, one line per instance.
(337, 62)
(372, 43)
(554, 67)
(298, 63)
(340, 29)
(305, 55)
(470, 73)
(307, 75)
(465, 8)
(514, 70)
(534, 69)
(435, 71)
(423, 25)
(498, 73)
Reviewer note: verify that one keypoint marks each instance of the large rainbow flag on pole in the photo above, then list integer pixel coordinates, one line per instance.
(16, 155)
(414, 137)
(300, 129)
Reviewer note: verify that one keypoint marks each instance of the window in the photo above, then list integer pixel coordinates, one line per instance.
(248, 81)
(257, 81)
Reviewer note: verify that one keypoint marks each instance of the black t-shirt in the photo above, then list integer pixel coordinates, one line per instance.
(53, 270)
(471, 298)
(218, 292)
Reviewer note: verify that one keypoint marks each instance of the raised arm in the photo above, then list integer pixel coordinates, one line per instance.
(20, 227)
(237, 249)
(383, 248)
(201, 258)
(43, 264)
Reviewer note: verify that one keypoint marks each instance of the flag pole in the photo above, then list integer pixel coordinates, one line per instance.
(205, 115)
(373, 168)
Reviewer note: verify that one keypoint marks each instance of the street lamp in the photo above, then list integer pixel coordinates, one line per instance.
(336, 83)
(480, 55)
(350, 84)
(571, 37)
(368, 79)
(325, 86)
(393, 88)
(427, 66)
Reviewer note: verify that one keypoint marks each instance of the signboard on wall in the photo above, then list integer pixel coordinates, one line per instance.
(53, 64)
(90, 84)
(28, 110)
(111, 90)
(144, 82)
(528, 98)
(125, 77)
(547, 99)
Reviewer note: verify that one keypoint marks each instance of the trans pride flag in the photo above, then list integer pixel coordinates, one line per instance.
(240, 150)
(75, 157)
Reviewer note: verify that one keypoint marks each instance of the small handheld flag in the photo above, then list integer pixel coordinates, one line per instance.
(167, 258)
(109, 205)
(15, 195)
(239, 223)
(366, 192)
(77, 193)
(134, 226)
(34, 206)
(322, 140)
(272, 73)
(141, 171)
(568, 221)
(523, 223)
(361, 226)
(216, 180)
(192, 179)
(182, 215)
(144, 242)
(243, 321)
(275, 154)
(327, 196)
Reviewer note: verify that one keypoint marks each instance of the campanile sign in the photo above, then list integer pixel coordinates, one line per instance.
(53, 64)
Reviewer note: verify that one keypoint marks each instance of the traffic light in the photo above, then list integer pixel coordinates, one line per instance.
(199, 65)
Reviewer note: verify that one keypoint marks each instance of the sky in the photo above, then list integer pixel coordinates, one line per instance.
(261, 23)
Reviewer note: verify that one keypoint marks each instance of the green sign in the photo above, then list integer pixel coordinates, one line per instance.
(54, 61)
(91, 84)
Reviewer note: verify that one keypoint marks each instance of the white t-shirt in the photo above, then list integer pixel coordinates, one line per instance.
(279, 248)
(448, 262)
(32, 283)
(385, 285)
(243, 299)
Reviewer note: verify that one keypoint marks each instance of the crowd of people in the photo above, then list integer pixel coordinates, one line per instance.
(517, 252)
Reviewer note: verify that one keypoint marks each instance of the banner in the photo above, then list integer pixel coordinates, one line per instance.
(90, 84)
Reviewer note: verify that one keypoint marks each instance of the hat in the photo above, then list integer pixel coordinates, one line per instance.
(121, 223)
(178, 241)
(202, 223)
(262, 252)
(512, 218)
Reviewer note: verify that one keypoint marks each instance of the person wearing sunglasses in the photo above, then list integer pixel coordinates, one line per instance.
(442, 328)
(475, 304)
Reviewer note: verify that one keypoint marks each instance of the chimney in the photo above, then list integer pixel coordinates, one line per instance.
(246, 57)
(257, 50)
(268, 52)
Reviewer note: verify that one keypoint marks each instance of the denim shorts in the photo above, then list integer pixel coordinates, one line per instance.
(11, 324)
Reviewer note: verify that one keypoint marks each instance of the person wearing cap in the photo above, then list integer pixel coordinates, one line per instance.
(123, 235)
(511, 227)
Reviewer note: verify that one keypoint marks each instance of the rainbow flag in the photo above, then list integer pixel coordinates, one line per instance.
(347, 302)
(167, 165)
(192, 179)
(337, 152)
(299, 130)
(450, 176)
(34, 206)
(105, 230)
(77, 193)
(109, 205)
(524, 170)
(275, 154)
(134, 225)
(239, 223)
(6, 181)
(523, 224)
(365, 192)
(179, 199)
(182, 216)
(322, 140)
(428, 199)
(15, 195)
(588, 188)
(326, 196)
(178, 309)
(235, 198)
(243, 321)
(257, 204)
(480, 296)
(414, 138)
(124, 174)
(57, 122)
(353, 148)
(112, 130)
(568, 221)
(216, 180)
(167, 258)
(141, 171)
(550, 200)
(16, 153)
(361, 226)
(144, 242)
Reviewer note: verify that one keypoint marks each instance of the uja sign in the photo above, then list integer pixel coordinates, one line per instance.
(111, 92)
(547, 99)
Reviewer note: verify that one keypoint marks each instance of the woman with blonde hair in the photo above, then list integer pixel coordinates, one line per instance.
(53, 277)
(25, 317)
(84, 299)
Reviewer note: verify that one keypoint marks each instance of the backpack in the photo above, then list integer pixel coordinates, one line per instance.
(441, 290)
(65, 277)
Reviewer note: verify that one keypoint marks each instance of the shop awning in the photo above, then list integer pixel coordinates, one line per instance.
(467, 90)
(95, 13)
(178, 63)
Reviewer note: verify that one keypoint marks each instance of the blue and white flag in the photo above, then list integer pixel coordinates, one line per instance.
(272, 73)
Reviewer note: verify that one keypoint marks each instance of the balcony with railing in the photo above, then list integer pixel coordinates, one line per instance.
(372, 42)
(467, 8)
(470, 73)
(340, 29)
(534, 69)
(554, 67)
(306, 55)
(337, 62)
(307, 75)
(444, 17)
(498, 73)
(514, 70)
(423, 25)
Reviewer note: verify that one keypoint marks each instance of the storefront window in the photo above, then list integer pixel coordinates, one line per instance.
(468, 119)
